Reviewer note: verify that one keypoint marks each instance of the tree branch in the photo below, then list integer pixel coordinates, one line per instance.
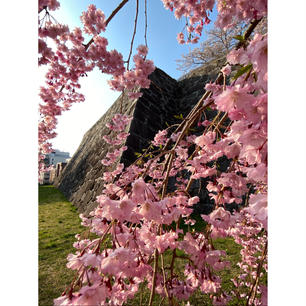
(134, 33)
(248, 33)
(146, 24)
(118, 8)
(259, 267)
(154, 277)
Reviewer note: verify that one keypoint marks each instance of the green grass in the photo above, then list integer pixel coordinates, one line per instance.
(58, 224)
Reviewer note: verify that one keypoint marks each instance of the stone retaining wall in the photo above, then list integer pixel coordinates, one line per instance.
(81, 182)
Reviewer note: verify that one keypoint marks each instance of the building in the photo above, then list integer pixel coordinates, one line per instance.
(58, 160)
(57, 156)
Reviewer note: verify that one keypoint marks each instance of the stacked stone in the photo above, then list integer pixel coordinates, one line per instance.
(81, 181)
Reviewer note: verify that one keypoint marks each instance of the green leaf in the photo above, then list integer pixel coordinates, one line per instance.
(180, 116)
(239, 37)
(242, 71)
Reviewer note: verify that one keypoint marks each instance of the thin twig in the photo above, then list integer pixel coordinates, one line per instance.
(134, 33)
(248, 33)
(165, 280)
(106, 23)
(172, 263)
(154, 277)
(165, 183)
(118, 8)
(252, 293)
(146, 24)
(103, 237)
(161, 301)
(190, 119)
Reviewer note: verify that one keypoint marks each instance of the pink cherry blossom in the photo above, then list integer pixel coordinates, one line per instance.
(141, 206)
(258, 208)
(93, 20)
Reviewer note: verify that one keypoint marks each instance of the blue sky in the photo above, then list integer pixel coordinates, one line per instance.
(164, 50)
(162, 29)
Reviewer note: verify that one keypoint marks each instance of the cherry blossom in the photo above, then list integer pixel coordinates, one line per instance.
(139, 213)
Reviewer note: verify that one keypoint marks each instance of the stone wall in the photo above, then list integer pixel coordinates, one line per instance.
(56, 172)
(81, 182)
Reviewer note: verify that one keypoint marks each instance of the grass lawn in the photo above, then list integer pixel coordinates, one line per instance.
(59, 223)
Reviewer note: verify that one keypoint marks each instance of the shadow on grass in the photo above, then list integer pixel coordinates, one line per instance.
(49, 194)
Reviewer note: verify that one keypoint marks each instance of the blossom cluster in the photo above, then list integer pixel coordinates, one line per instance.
(93, 20)
(50, 4)
(229, 13)
(71, 59)
(136, 78)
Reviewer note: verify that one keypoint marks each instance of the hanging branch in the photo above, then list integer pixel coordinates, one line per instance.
(134, 33)
(165, 280)
(248, 33)
(252, 293)
(146, 24)
(115, 11)
(154, 277)
(119, 7)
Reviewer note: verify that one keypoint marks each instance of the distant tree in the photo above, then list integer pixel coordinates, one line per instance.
(218, 43)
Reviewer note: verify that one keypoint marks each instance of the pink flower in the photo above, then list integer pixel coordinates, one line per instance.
(264, 294)
(165, 241)
(66, 301)
(258, 208)
(193, 200)
(121, 261)
(93, 20)
(180, 38)
(258, 173)
(258, 52)
(233, 98)
(160, 138)
(209, 286)
(198, 30)
(219, 218)
(190, 29)
(142, 50)
(233, 150)
(238, 57)
(151, 211)
(205, 139)
(195, 40)
(182, 153)
(226, 70)
(111, 209)
(74, 262)
(237, 183)
(92, 295)
(51, 4)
